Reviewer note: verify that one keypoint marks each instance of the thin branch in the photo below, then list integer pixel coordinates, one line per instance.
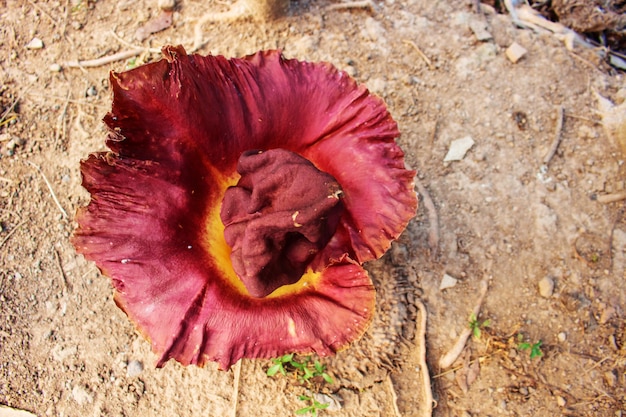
(60, 129)
(360, 4)
(433, 220)
(64, 280)
(557, 136)
(611, 198)
(238, 10)
(237, 377)
(98, 62)
(6, 238)
(54, 197)
(14, 103)
(394, 396)
(420, 53)
(449, 358)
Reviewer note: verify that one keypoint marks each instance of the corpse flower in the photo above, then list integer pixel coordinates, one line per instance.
(238, 201)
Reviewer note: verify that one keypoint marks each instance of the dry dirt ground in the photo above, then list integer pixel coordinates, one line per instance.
(66, 350)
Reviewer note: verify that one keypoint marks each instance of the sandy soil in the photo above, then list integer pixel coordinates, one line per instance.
(66, 350)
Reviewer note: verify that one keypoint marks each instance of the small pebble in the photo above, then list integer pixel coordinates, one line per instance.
(134, 368)
(91, 92)
(458, 149)
(562, 337)
(447, 282)
(166, 5)
(54, 68)
(515, 52)
(35, 43)
(560, 401)
(546, 287)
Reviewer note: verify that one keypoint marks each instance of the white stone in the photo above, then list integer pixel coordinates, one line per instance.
(447, 282)
(35, 43)
(458, 149)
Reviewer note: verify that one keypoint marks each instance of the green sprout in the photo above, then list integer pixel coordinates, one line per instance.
(305, 370)
(279, 365)
(535, 348)
(131, 63)
(475, 325)
(308, 372)
(313, 407)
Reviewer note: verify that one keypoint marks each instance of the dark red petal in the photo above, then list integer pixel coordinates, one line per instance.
(321, 318)
(177, 129)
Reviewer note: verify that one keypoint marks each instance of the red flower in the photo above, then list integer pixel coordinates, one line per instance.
(238, 201)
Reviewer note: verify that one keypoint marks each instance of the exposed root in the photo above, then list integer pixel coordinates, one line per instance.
(420, 340)
(449, 358)
(394, 396)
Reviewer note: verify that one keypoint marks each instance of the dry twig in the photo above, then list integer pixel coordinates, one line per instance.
(64, 280)
(237, 377)
(611, 198)
(6, 238)
(54, 197)
(362, 4)
(557, 136)
(420, 53)
(109, 59)
(433, 219)
(60, 129)
(394, 396)
(449, 358)
(238, 10)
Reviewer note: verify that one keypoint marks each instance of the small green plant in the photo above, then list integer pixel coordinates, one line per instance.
(476, 325)
(305, 370)
(308, 372)
(131, 63)
(279, 365)
(535, 348)
(313, 407)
